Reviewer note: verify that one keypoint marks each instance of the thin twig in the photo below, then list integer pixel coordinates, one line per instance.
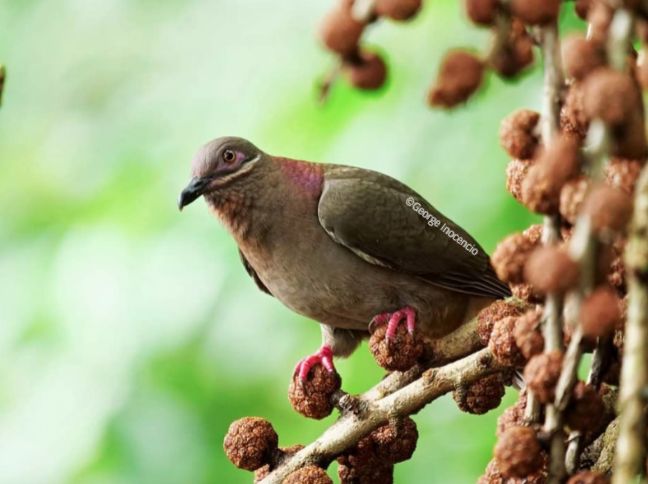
(552, 329)
(327, 83)
(500, 38)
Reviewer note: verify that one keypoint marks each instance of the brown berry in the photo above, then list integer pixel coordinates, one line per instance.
(519, 135)
(340, 32)
(630, 139)
(599, 16)
(367, 72)
(581, 56)
(536, 12)
(589, 477)
(516, 172)
(482, 12)
(398, 354)
(502, 343)
(573, 120)
(510, 256)
(534, 233)
(550, 269)
(623, 173)
(516, 54)
(361, 465)
(361, 455)
(528, 333)
(538, 195)
(511, 417)
(572, 196)
(378, 473)
(518, 452)
(561, 159)
(555, 166)
(308, 475)
(610, 209)
(395, 442)
(611, 96)
(249, 443)
(494, 476)
(498, 310)
(527, 293)
(399, 10)
(482, 396)
(312, 398)
(460, 76)
(541, 375)
(600, 312)
(586, 408)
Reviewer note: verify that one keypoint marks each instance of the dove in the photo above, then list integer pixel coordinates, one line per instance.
(346, 247)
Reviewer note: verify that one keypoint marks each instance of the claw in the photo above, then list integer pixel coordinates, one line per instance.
(323, 356)
(393, 319)
(378, 320)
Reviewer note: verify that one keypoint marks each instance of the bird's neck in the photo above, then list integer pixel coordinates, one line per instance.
(270, 196)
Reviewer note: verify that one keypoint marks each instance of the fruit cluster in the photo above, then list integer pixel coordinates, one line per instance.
(342, 30)
(252, 444)
(582, 180)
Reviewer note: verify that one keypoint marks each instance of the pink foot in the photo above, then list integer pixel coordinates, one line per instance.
(324, 356)
(393, 319)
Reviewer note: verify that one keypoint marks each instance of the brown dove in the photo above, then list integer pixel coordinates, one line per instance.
(343, 246)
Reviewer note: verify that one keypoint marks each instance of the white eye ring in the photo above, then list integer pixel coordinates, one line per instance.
(229, 156)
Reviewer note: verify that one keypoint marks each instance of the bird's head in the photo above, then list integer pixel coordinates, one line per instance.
(221, 162)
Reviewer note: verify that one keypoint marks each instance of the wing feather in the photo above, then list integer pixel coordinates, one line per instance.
(368, 212)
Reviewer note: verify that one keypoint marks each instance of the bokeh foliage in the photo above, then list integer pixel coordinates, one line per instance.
(130, 336)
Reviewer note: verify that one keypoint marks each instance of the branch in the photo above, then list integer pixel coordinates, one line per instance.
(552, 329)
(631, 445)
(583, 246)
(352, 426)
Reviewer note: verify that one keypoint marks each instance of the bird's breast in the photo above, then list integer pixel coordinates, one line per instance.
(314, 276)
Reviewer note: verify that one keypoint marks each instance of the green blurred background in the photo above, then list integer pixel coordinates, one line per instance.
(130, 335)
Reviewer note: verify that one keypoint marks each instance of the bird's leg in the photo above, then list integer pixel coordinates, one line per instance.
(393, 319)
(323, 356)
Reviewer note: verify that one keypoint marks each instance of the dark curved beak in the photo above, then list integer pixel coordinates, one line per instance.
(194, 190)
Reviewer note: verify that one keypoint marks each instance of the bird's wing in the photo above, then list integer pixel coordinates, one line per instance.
(252, 273)
(368, 212)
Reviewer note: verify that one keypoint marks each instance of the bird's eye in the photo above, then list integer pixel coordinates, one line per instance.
(229, 156)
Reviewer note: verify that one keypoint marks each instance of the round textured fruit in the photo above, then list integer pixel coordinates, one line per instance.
(340, 32)
(368, 73)
(249, 442)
